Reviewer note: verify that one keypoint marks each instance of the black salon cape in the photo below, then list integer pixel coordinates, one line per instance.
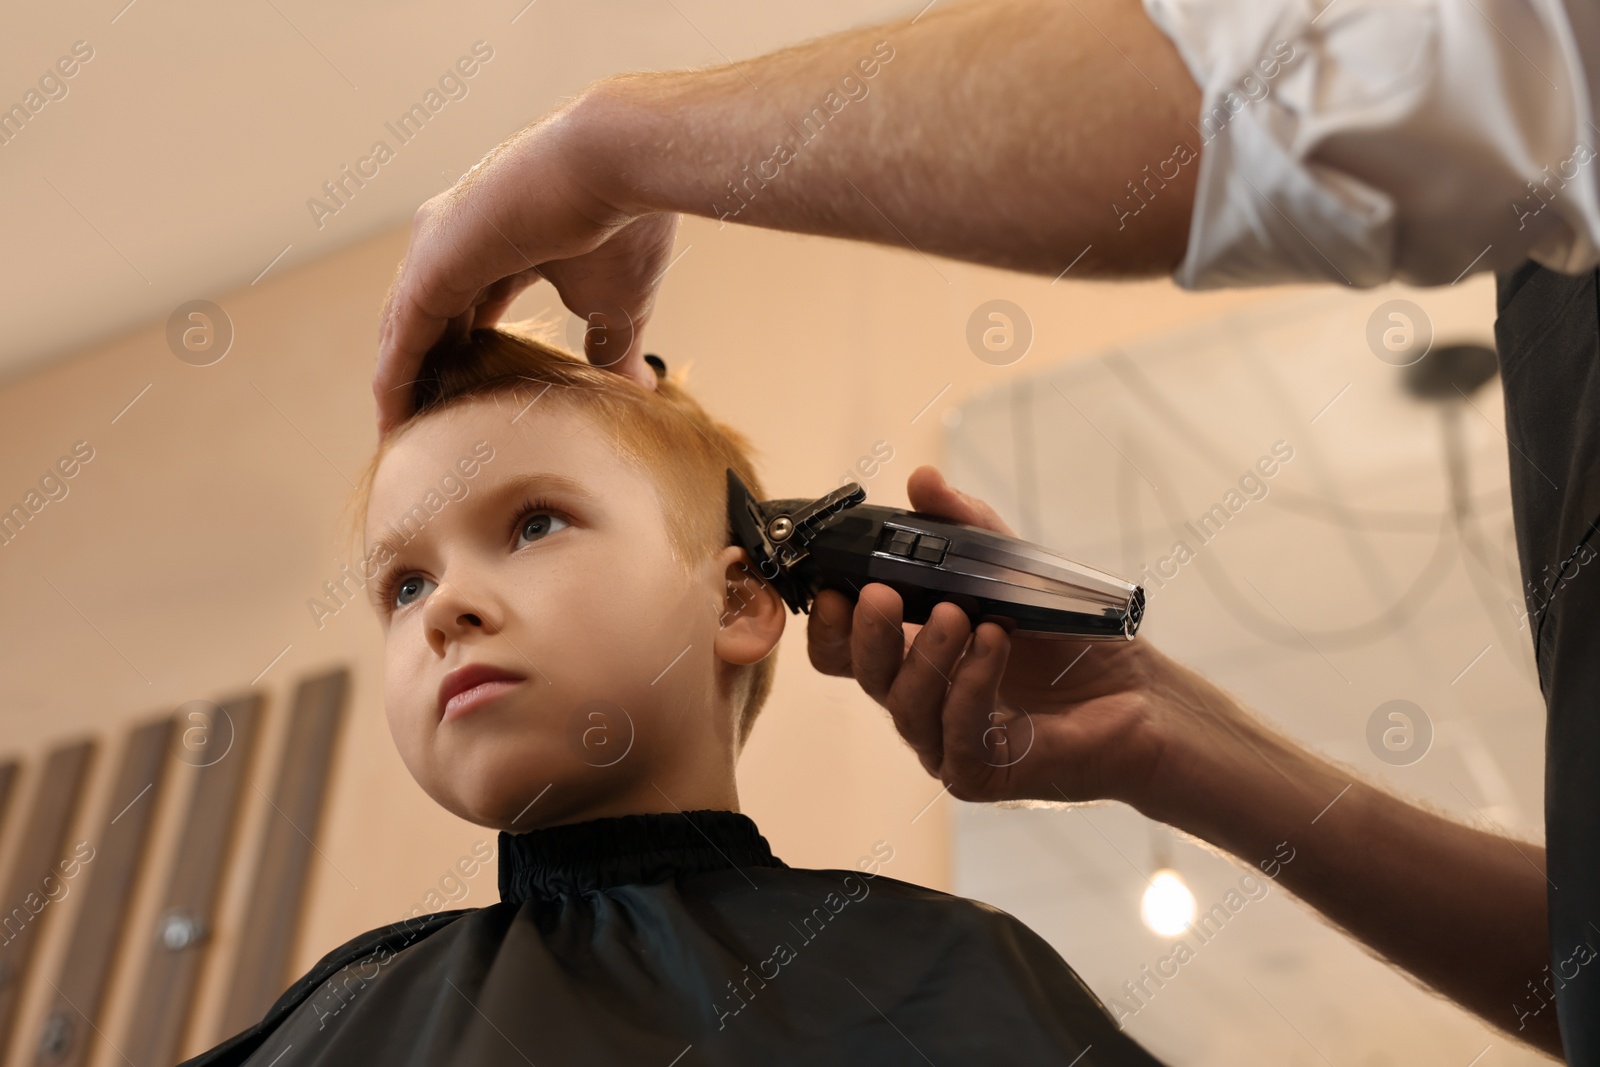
(679, 940)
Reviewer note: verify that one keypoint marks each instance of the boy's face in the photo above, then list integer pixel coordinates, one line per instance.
(622, 704)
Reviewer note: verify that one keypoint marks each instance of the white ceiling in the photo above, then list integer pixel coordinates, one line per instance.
(180, 160)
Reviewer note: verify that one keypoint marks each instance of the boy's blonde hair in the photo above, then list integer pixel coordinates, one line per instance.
(665, 433)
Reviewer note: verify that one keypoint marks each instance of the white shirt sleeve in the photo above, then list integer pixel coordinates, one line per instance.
(1360, 141)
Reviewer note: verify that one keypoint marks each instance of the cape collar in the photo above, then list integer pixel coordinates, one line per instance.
(624, 849)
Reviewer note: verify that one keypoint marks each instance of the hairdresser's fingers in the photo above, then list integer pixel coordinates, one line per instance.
(983, 740)
(828, 629)
(486, 309)
(398, 365)
(522, 206)
(828, 633)
(633, 364)
(612, 289)
(496, 300)
(456, 253)
(877, 642)
(917, 697)
(930, 493)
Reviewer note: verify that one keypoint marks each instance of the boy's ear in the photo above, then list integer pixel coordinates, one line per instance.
(752, 614)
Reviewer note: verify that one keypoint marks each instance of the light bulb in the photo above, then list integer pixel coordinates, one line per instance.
(1168, 906)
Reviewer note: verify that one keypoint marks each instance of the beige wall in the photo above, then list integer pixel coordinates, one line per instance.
(180, 563)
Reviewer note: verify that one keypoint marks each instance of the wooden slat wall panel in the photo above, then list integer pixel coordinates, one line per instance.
(9, 770)
(287, 848)
(75, 1013)
(167, 992)
(35, 871)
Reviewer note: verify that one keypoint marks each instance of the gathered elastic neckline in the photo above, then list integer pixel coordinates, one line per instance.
(619, 850)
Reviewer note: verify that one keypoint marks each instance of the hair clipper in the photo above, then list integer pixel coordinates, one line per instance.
(837, 542)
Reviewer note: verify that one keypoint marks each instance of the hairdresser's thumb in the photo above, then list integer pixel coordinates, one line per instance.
(931, 494)
(632, 364)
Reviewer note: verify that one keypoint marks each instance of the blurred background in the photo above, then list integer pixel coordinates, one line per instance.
(1365, 596)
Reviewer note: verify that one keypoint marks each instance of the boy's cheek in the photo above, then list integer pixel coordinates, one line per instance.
(409, 704)
(408, 744)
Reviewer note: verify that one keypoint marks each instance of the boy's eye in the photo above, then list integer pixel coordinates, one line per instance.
(538, 524)
(531, 525)
(409, 589)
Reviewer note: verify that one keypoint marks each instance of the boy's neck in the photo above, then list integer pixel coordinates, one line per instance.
(687, 764)
(686, 789)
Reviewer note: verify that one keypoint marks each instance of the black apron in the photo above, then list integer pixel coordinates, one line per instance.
(680, 940)
(1548, 336)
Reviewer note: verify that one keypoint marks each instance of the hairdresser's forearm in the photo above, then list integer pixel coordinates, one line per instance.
(1462, 909)
(1001, 132)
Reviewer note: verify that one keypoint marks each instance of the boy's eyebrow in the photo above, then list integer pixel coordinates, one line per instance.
(537, 482)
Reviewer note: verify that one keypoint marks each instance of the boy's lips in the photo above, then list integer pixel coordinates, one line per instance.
(476, 683)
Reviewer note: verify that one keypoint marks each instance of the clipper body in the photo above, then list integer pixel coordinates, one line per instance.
(837, 542)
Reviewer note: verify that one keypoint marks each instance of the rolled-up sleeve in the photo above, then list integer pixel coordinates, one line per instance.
(1361, 141)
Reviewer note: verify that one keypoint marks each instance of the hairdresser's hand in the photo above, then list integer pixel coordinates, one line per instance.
(530, 209)
(1005, 718)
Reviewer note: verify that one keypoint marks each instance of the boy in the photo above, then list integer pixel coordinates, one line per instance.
(574, 654)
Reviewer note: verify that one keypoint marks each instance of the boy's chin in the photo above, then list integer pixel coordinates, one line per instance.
(523, 792)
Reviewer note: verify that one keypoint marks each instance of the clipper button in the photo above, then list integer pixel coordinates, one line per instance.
(900, 543)
(930, 549)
